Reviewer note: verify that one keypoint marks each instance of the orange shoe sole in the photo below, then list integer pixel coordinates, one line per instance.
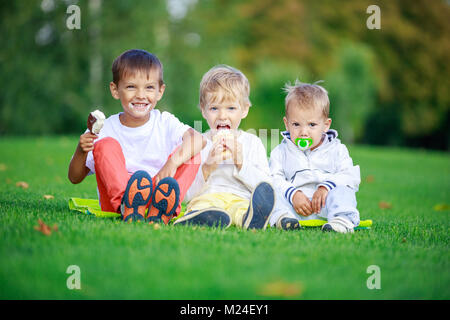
(136, 197)
(166, 198)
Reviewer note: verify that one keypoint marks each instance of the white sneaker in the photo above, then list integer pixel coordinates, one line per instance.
(340, 225)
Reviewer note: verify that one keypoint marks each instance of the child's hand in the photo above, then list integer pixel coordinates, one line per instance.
(86, 142)
(301, 204)
(168, 170)
(319, 198)
(236, 151)
(215, 157)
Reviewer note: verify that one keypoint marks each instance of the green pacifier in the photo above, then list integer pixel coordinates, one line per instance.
(303, 143)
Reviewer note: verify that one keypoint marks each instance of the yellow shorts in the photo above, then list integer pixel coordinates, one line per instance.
(235, 206)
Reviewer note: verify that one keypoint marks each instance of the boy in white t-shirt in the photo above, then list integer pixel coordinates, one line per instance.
(138, 144)
(233, 183)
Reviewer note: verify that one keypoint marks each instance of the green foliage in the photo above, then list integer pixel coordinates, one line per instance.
(267, 96)
(352, 89)
(55, 76)
(34, 94)
(410, 51)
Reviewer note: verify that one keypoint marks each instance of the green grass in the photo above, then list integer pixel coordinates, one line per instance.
(409, 242)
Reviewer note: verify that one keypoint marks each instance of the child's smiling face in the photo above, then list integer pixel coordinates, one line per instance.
(138, 93)
(224, 115)
(306, 123)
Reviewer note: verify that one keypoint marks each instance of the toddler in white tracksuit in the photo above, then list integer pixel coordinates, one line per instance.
(313, 174)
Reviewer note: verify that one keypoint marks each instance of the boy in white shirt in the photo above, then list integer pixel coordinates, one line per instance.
(233, 183)
(138, 144)
(312, 171)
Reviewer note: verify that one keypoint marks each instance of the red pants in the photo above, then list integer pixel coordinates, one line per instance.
(112, 175)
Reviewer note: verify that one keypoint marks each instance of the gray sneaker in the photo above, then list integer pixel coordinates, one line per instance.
(211, 217)
(289, 224)
(260, 208)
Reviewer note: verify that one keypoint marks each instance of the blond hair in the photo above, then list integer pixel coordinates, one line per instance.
(224, 83)
(306, 95)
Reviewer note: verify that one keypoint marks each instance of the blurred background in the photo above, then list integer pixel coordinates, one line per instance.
(387, 86)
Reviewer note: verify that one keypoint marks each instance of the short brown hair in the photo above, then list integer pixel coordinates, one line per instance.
(307, 95)
(223, 82)
(136, 60)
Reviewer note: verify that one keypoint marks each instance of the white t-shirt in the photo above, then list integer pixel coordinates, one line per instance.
(146, 147)
(227, 178)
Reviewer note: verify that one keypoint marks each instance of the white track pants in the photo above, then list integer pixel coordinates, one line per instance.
(341, 201)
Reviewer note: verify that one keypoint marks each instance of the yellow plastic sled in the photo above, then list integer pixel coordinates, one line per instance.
(92, 207)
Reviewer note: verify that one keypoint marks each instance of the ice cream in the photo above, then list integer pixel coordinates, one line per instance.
(95, 121)
(223, 134)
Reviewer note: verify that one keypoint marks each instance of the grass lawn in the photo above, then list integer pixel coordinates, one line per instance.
(409, 240)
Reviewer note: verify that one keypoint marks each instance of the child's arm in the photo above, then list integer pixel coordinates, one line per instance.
(280, 180)
(223, 149)
(192, 144)
(234, 148)
(252, 168)
(346, 174)
(77, 167)
(215, 157)
(301, 204)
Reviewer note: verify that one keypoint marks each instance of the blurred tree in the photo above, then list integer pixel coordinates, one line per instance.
(410, 50)
(267, 95)
(36, 68)
(409, 54)
(352, 89)
(51, 77)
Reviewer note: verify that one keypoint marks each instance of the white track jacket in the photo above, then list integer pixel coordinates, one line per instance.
(328, 165)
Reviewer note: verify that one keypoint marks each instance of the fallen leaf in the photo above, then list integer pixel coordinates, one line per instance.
(384, 205)
(156, 226)
(45, 229)
(441, 207)
(3, 167)
(48, 196)
(281, 289)
(22, 184)
(370, 179)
